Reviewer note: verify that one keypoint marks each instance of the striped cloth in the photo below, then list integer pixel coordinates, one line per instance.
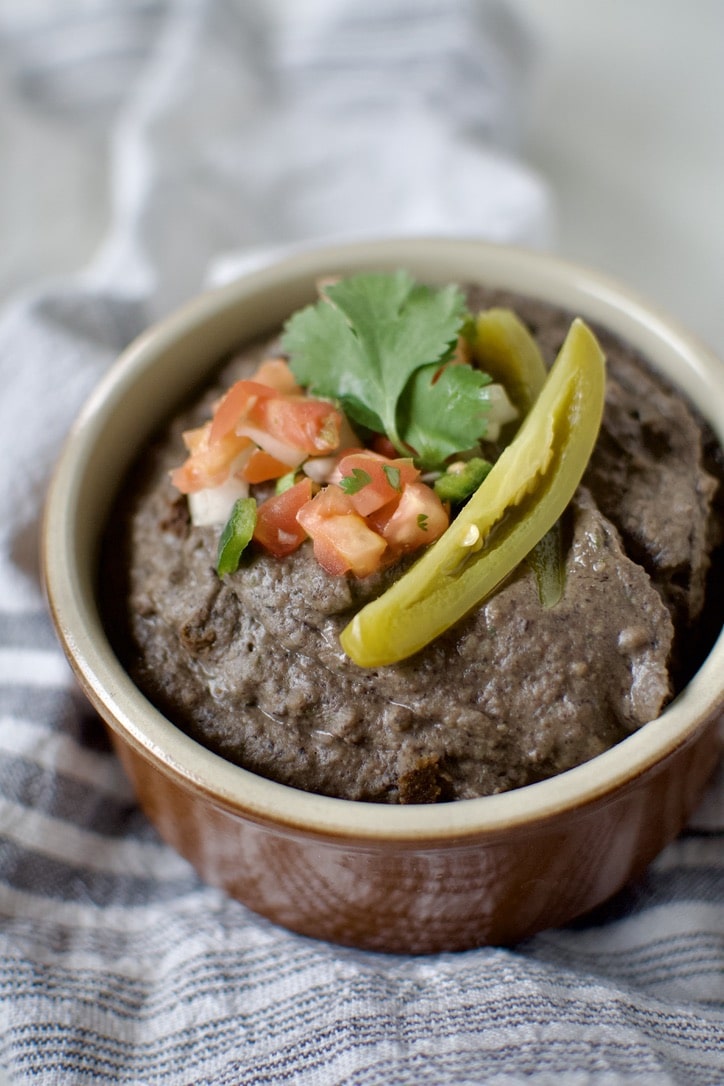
(222, 129)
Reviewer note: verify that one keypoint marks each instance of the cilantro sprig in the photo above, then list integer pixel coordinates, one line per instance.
(378, 343)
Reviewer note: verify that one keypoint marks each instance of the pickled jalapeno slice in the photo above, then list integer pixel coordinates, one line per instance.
(521, 498)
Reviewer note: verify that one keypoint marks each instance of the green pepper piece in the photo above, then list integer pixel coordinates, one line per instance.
(504, 348)
(285, 482)
(236, 535)
(525, 493)
(547, 562)
(457, 486)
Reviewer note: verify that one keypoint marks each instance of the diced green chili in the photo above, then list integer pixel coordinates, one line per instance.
(236, 536)
(523, 496)
(285, 482)
(457, 486)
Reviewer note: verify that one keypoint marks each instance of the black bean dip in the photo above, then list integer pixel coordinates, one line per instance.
(251, 665)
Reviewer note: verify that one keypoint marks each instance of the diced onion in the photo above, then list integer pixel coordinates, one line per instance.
(212, 505)
(320, 468)
(500, 412)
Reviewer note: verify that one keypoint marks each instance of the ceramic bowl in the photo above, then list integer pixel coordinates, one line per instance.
(411, 878)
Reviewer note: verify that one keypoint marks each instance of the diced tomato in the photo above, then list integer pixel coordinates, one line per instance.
(288, 427)
(209, 464)
(260, 467)
(417, 519)
(277, 528)
(330, 501)
(196, 439)
(381, 444)
(236, 405)
(345, 544)
(378, 520)
(371, 480)
(342, 540)
(300, 421)
(275, 373)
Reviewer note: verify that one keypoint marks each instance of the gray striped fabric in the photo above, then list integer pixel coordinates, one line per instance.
(222, 129)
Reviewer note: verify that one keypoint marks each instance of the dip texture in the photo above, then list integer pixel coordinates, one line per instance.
(251, 665)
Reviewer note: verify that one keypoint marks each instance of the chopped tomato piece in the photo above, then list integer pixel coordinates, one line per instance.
(342, 540)
(417, 519)
(345, 544)
(209, 463)
(305, 423)
(371, 480)
(330, 501)
(236, 405)
(277, 528)
(288, 427)
(382, 445)
(379, 519)
(261, 467)
(275, 373)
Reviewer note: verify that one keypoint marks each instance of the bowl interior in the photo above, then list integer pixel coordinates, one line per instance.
(172, 359)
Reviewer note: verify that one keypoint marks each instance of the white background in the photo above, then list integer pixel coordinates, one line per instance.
(625, 122)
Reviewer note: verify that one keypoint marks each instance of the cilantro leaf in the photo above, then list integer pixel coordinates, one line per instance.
(364, 340)
(352, 484)
(442, 412)
(393, 476)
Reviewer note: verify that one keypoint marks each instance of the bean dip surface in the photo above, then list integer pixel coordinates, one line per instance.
(250, 664)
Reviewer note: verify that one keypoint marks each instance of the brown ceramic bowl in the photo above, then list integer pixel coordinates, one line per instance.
(415, 878)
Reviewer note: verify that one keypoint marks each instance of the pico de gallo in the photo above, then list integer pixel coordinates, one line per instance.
(394, 422)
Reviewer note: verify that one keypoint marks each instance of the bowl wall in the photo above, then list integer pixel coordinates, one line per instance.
(424, 896)
(416, 878)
